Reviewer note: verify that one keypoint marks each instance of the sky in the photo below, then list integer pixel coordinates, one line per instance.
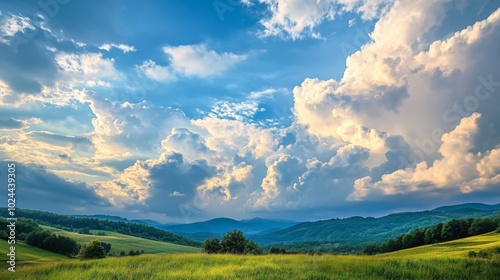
(181, 111)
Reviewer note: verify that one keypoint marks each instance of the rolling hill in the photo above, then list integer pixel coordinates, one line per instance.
(26, 254)
(71, 223)
(360, 230)
(121, 242)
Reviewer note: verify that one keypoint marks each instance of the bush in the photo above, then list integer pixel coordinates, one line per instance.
(233, 242)
(211, 246)
(92, 250)
(276, 250)
(252, 248)
(122, 253)
(370, 250)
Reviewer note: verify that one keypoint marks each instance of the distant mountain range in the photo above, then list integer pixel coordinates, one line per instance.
(476, 206)
(351, 231)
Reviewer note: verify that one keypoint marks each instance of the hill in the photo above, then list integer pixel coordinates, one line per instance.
(70, 223)
(121, 242)
(360, 230)
(26, 254)
(456, 248)
(453, 263)
(476, 206)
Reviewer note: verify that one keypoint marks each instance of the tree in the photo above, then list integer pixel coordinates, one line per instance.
(107, 246)
(122, 253)
(276, 250)
(233, 242)
(211, 246)
(92, 250)
(252, 248)
(370, 250)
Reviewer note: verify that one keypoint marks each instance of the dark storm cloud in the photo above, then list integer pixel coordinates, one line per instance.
(36, 188)
(174, 183)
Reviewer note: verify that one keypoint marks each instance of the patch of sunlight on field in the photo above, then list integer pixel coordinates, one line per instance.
(457, 248)
(121, 242)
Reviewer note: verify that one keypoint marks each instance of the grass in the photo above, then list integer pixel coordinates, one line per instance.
(457, 248)
(121, 242)
(26, 254)
(428, 262)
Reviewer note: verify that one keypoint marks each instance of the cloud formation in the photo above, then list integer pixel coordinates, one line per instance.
(414, 115)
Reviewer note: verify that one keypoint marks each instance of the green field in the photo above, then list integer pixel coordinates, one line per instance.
(443, 261)
(121, 242)
(26, 254)
(457, 248)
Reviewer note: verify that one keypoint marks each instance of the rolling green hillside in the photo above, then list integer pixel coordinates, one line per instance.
(120, 242)
(26, 254)
(360, 230)
(457, 248)
(75, 223)
(444, 261)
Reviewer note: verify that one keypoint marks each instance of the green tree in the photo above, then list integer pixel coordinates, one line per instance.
(252, 248)
(233, 242)
(211, 246)
(370, 250)
(122, 253)
(92, 250)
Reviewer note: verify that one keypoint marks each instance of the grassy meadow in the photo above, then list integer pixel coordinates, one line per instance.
(443, 261)
(121, 242)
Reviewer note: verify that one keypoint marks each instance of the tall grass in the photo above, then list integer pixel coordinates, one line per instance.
(442, 261)
(200, 266)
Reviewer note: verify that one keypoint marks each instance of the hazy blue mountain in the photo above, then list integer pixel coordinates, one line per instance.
(477, 206)
(218, 226)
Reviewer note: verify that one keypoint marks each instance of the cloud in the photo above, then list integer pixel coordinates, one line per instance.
(176, 193)
(241, 111)
(266, 93)
(91, 66)
(459, 169)
(156, 72)
(165, 185)
(197, 60)
(12, 24)
(297, 19)
(41, 189)
(124, 48)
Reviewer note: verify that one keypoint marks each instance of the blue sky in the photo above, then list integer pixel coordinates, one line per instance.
(187, 110)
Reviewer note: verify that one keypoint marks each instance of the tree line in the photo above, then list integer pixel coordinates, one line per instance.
(29, 231)
(442, 232)
(82, 225)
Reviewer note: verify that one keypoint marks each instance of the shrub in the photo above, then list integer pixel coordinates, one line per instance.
(92, 250)
(211, 246)
(233, 242)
